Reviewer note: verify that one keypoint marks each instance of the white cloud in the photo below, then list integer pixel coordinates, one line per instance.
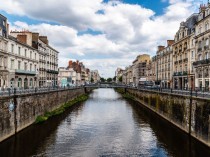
(127, 30)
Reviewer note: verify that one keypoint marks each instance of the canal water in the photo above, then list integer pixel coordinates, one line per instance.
(104, 125)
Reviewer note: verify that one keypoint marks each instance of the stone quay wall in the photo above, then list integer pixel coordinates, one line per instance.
(19, 111)
(190, 114)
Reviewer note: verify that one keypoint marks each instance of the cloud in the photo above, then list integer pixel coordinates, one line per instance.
(126, 30)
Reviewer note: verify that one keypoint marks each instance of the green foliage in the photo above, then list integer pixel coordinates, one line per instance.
(124, 95)
(120, 78)
(103, 79)
(109, 80)
(61, 109)
(92, 80)
(114, 78)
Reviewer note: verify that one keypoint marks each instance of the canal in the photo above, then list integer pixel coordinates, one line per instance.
(104, 125)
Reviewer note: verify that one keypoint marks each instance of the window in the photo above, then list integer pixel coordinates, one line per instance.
(30, 54)
(25, 66)
(34, 67)
(199, 30)
(200, 57)
(19, 65)
(12, 48)
(12, 64)
(192, 42)
(19, 51)
(199, 44)
(207, 42)
(35, 56)
(206, 26)
(192, 54)
(206, 55)
(30, 67)
(25, 53)
(4, 23)
(185, 67)
(185, 55)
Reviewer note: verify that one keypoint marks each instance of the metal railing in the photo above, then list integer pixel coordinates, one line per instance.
(198, 92)
(16, 91)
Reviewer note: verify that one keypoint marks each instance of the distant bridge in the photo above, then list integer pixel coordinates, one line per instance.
(105, 85)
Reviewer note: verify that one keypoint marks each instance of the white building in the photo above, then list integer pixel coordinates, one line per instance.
(23, 63)
(67, 77)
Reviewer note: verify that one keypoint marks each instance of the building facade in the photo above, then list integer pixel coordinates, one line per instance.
(4, 70)
(184, 77)
(23, 62)
(202, 63)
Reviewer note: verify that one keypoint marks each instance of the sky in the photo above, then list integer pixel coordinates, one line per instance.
(103, 34)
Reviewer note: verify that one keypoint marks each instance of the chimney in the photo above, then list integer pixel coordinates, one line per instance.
(160, 48)
(202, 8)
(170, 42)
(7, 30)
(22, 38)
(44, 39)
(70, 64)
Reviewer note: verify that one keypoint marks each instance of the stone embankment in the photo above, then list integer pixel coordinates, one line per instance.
(19, 111)
(190, 114)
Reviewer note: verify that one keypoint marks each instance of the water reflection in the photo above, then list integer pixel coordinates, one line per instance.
(105, 125)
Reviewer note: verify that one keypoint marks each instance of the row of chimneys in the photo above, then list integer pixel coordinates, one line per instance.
(169, 43)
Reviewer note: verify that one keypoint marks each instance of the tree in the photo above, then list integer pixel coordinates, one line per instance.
(114, 78)
(92, 80)
(103, 79)
(120, 78)
(109, 80)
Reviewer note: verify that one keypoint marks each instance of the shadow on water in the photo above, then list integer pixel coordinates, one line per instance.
(28, 141)
(175, 141)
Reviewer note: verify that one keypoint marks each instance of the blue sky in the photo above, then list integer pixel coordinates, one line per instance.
(102, 34)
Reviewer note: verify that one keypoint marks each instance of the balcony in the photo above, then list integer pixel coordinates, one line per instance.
(52, 71)
(199, 49)
(180, 61)
(185, 60)
(206, 75)
(205, 61)
(25, 72)
(206, 47)
(176, 62)
(183, 73)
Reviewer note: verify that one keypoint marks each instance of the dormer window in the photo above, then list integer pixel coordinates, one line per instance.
(206, 55)
(206, 26)
(200, 57)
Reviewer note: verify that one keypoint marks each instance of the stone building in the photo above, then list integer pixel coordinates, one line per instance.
(77, 68)
(202, 51)
(164, 65)
(4, 69)
(184, 77)
(95, 76)
(48, 56)
(67, 77)
(140, 66)
(23, 62)
(118, 74)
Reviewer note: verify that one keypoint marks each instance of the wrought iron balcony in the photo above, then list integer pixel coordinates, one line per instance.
(25, 72)
(205, 61)
(52, 71)
(206, 47)
(186, 60)
(183, 73)
(200, 48)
